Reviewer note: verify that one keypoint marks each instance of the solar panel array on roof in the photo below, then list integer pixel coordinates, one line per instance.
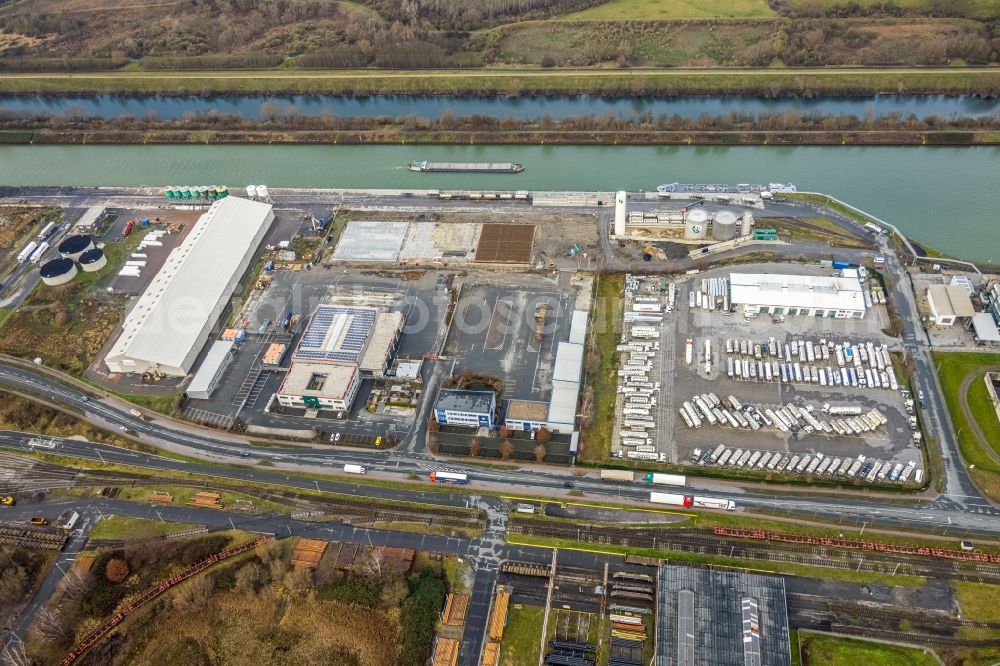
(685, 628)
(751, 632)
(326, 339)
(720, 618)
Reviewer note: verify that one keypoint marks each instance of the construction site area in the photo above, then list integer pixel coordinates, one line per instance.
(449, 238)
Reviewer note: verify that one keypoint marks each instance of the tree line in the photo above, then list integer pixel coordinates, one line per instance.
(288, 118)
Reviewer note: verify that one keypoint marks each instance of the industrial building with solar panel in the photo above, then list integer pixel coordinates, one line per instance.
(340, 345)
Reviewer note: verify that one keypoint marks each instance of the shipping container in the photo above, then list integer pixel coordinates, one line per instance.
(617, 475)
(656, 478)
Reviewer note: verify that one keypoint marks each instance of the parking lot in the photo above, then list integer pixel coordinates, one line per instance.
(495, 332)
(682, 380)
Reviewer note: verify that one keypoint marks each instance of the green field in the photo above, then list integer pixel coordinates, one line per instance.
(824, 650)
(978, 601)
(522, 637)
(953, 368)
(969, 8)
(120, 527)
(673, 9)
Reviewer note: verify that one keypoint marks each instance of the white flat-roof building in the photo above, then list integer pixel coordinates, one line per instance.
(210, 372)
(798, 295)
(949, 302)
(566, 375)
(319, 386)
(171, 320)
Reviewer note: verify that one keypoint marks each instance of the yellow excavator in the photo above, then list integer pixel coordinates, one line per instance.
(7, 500)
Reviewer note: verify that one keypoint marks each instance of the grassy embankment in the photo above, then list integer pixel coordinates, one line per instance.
(121, 527)
(522, 636)
(827, 650)
(953, 369)
(706, 520)
(513, 81)
(600, 378)
(633, 10)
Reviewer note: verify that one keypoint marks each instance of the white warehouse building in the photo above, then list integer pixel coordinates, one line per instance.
(798, 295)
(172, 319)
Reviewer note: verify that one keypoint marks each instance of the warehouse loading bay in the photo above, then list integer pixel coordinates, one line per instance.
(650, 425)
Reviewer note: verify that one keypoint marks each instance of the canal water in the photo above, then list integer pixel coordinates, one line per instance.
(946, 197)
(521, 107)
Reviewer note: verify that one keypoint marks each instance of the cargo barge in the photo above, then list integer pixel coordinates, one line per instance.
(701, 188)
(466, 167)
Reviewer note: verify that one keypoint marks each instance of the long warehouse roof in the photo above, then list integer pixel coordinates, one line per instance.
(804, 291)
(168, 319)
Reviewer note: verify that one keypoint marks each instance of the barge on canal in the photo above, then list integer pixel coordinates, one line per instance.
(466, 167)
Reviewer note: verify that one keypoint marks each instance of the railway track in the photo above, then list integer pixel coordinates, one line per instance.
(708, 543)
(37, 539)
(911, 637)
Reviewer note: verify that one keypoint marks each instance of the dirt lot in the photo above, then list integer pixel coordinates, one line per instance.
(505, 243)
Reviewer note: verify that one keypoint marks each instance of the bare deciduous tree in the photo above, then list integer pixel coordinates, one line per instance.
(539, 453)
(15, 654)
(49, 625)
(375, 562)
(474, 446)
(506, 449)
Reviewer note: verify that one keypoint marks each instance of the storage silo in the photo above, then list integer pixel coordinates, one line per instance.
(222, 191)
(621, 213)
(74, 246)
(93, 260)
(168, 192)
(251, 191)
(747, 227)
(58, 271)
(262, 191)
(203, 191)
(725, 226)
(696, 224)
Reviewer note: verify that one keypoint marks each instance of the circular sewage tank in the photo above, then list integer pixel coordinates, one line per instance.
(58, 271)
(725, 226)
(73, 246)
(93, 260)
(696, 224)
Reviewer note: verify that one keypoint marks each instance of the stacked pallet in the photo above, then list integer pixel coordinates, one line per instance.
(160, 497)
(497, 624)
(206, 500)
(491, 654)
(308, 553)
(455, 608)
(446, 652)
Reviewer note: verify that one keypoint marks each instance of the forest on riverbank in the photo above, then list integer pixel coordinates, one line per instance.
(284, 125)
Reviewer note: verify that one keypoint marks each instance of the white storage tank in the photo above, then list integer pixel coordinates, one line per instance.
(747, 227)
(696, 224)
(93, 260)
(58, 271)
(74, 246)
(725, 226)
(251, 191)
(621, 212)
(262, 191)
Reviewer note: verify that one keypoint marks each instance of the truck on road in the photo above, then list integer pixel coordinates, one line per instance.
(656, 479)
(354, 469)
(67, 520)
(617, 475)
